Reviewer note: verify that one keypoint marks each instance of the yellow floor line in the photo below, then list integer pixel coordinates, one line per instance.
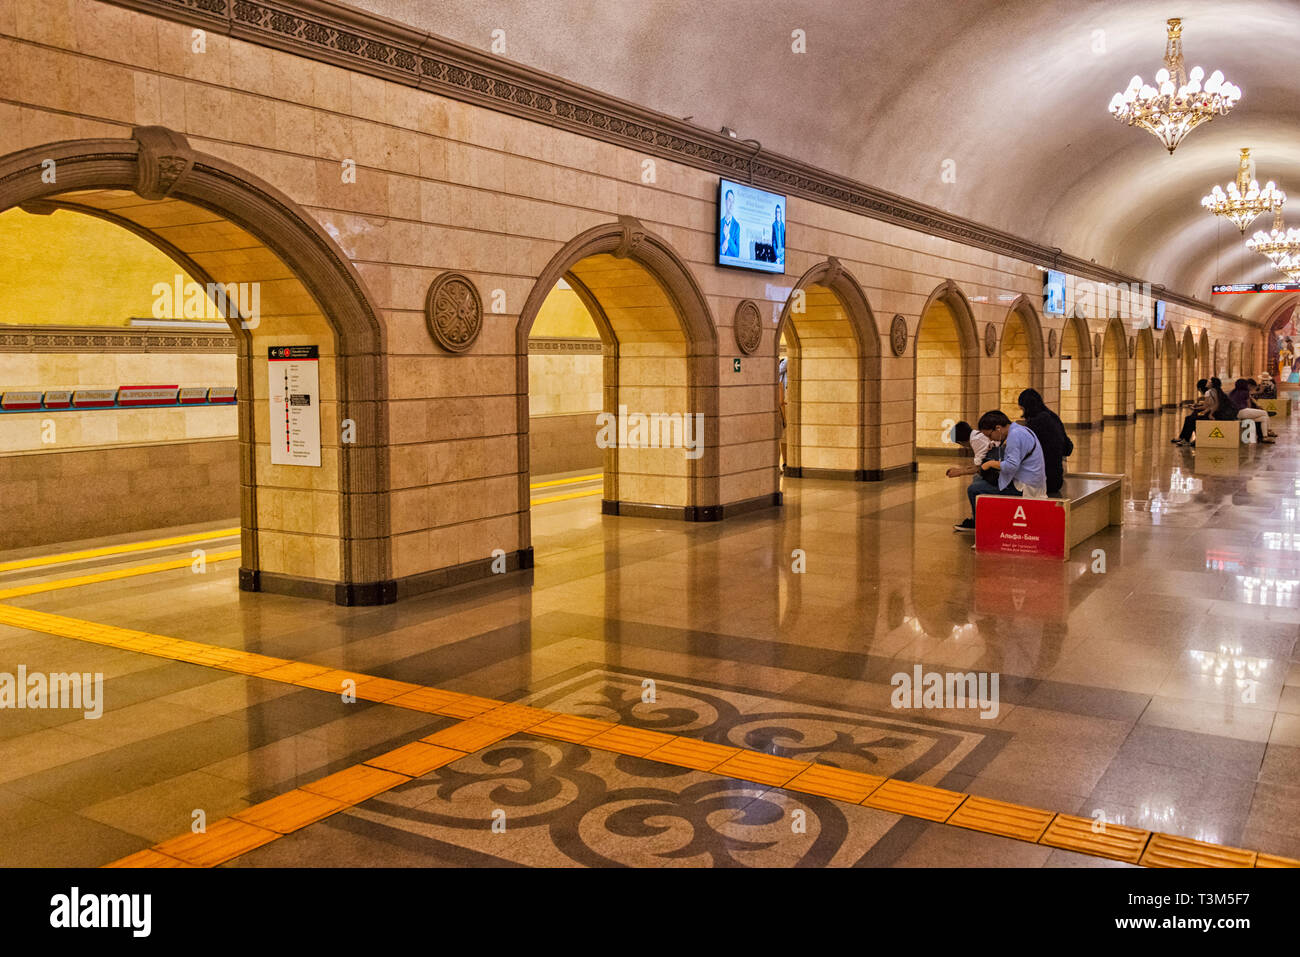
(568, 481)
(565, 497)
(115, 550)
(487, 720)
(259, 825)
(118, 573)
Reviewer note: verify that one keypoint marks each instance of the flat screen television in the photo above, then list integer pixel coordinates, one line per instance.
(1160, 314)
(751, 228)
(1054, 293)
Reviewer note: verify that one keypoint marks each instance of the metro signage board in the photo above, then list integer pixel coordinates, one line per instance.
(1236, 289)
(1020, 526)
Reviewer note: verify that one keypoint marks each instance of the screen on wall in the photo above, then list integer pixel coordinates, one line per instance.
(1160, 314)
(751, 228)
(1054, 293)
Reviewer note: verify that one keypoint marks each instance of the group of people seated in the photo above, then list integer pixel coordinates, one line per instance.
(1214, 403)
(1023, 458)
(1027, 457)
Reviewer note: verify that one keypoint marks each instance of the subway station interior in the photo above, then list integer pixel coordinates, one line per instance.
(486, 434)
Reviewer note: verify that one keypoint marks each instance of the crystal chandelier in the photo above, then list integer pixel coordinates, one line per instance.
(1291, 266)
(1280, 245)
(1177, 104)
(1244, 202)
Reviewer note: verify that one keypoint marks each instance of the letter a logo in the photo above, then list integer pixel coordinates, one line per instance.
(1020, 514)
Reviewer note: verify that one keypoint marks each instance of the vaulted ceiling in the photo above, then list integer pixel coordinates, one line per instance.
(1014, 92)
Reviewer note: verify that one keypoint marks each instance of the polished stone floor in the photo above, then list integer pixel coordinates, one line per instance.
(1153, 679)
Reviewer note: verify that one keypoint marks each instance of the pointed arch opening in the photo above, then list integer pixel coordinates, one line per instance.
(1170, 384)
(1114, 372)
(1190, 365)
(1020, 364)
(947, 368)
(1076, 374)
(316, 531)
(1146, 399)
(657, 428)
(828, 340)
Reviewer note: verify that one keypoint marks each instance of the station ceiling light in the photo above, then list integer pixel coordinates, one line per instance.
(1177, 104)
(1244, 201)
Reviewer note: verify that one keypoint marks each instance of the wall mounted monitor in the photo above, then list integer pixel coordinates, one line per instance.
(1054, 293)
(751, 228)
(1160, 314)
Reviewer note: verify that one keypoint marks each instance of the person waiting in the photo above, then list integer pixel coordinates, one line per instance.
(981, 448)
(1267, 388)
(1198, 411)
(1019, 472)
(1049, 428)
(1247, 409)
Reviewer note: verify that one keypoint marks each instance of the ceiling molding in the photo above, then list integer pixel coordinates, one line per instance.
(366, 43)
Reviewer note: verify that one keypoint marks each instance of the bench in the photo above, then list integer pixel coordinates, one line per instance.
(1224, 433)
(1049, 527)
(1282, 406)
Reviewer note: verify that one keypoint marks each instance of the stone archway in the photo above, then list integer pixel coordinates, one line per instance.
(946, 363)
(1076, 401)
(835, 329)
(1146, 399)
(1115, 385)
(690, 342)
(344, 556)
(1190, 366)
(1170, 373)
(1021, 354)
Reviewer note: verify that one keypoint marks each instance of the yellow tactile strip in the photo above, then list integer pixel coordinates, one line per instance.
(484, 721)
(1086, 836)
(1001, 818)
(1167, 850)
(123, 549)
(118, 573)
(263, 823)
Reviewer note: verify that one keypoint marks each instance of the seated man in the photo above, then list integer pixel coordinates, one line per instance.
(1021, 470)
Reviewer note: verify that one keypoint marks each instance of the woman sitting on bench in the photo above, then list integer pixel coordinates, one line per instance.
(1247, 409)
(1049, 428)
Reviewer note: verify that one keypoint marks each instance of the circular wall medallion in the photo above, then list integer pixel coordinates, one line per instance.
(990, 339)
(898, 335)
(1051, 344)
(748, 327)
(1096, 344)
(453, 312)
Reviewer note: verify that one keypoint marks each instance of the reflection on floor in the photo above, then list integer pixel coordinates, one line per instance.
(1153, 681)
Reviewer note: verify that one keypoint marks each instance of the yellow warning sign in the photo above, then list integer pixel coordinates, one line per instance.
(1216, 433)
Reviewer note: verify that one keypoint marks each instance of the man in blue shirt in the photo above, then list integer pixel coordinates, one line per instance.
(1021, 470)
(729, 229)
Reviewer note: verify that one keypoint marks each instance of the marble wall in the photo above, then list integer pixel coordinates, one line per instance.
(409, 184)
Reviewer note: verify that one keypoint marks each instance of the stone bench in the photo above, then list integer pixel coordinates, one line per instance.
(1282, 406)
(1049, 527)
(1224, 433)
